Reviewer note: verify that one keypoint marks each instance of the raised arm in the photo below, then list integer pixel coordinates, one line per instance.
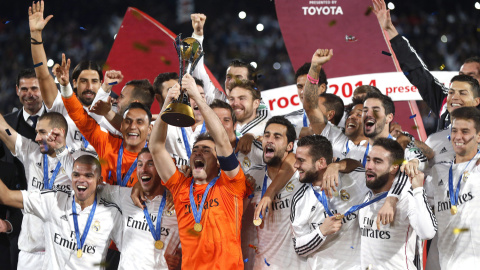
(47, 84)
(213, 124)
(8, 135)
(158, 137)
(9, 197)
(318, 120)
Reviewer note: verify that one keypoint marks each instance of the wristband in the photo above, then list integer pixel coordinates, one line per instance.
(66, 90)
(228, 163)
(35, 42)
(312, 80)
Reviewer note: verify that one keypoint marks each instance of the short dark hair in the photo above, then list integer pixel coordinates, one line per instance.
(365, 89)
(142, 91)
(355, 101)
(26, 73)
(396, 151)
(138, 105)
(199, 82)
(161, 78)
(144, 150)
(473, 59)
(247, 85)
(467, 113)
(471, 81)
(90, 160)
(281, 120)
(387, 102)
(87, 65)
(303, 70)
(56, 120)
(251, 70)
(319, 147)
(217, 103)
(204, 137)
(335, 103)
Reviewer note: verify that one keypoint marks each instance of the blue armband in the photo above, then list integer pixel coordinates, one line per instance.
(228, 163)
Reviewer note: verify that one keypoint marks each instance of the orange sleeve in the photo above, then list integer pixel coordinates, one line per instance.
(237, 185)
(89, 128)
(175, 182)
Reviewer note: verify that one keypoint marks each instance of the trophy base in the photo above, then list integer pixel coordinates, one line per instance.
(179, 115)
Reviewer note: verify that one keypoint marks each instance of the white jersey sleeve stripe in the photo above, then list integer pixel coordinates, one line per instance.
(308, 247)
(295, 200)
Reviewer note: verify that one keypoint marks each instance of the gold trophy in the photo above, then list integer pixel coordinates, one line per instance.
(179, 112)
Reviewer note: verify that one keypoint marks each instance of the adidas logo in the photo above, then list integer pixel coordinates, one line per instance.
(39, 164)
(64, 217)
(440, 183)
(179, 140)
(443, 150)
(313, 208)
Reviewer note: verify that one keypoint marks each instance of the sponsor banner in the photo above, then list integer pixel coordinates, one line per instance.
(285, 99)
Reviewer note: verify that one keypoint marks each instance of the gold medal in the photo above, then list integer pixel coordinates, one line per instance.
(159, 244)
(257, 222)
(79, 253)
(453, 210)
(338, 217)
(197, 227)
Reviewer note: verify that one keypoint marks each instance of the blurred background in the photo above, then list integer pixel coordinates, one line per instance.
(443, 33)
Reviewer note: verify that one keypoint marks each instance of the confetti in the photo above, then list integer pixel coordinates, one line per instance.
(350, 38)
(165, 61)
(332, 23)
(398, 162)
(460, 230)
(141, 47)
(414, 127)
(8, 132)
(252, 246)
(37, 65)
(442, 66)
(106, 66)
(429, 113)
(112, 83)
(406, 73)
(351, 247)
(412, 116)
(82, 28)
(386, 53)
(246, 260)
(368, 11)
(137, 15)
(266, 262)
(156, 42)
(6, 22)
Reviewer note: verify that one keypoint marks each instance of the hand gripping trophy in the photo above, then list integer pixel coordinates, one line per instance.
(179, 112)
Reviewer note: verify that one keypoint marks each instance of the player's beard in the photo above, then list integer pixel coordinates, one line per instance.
(379, 182)
(379, 126)
(310, 176)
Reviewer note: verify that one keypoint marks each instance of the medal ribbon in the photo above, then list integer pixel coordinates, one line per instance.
(367, 203)
(81, 241)
(454, 194)
(204, 128)
(197, 213)
(264, 189)
(48, 183)
(120, 181)
(305, 123)
(322, 198)
(85, 142)
(186, 143)
(364, 161)
(155, 231)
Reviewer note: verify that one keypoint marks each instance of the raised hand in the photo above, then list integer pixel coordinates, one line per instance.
(198, 21)
(188, 82)
(111, 77)
(56, 139)
(102, 107)
(321, 57)
(383, 16)
(62, 71)
(417, 180)
(331, 225)
(35, 17)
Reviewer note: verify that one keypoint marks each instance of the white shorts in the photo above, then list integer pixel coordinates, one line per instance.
(29, 260)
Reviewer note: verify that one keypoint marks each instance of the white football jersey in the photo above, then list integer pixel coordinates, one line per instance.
(442, 148)
(32, 237)
(298, 119)
(256, 127)
(176, 146)
(337, 251)
(54, 208)
(392, 246)
(275, 249)
(459, 234)
(338, 140)
(138, 245)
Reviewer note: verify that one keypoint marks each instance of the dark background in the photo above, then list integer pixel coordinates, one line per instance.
(226, 36)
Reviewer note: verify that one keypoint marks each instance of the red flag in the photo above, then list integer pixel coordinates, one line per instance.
(143, 48)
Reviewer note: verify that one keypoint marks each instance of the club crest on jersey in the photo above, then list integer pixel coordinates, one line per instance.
(344, 195)
(246, 162)
(169, 213)
(289, 187)
(465, 176)
(96, 226)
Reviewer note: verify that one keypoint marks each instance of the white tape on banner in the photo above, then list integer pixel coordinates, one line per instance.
(285, 99)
